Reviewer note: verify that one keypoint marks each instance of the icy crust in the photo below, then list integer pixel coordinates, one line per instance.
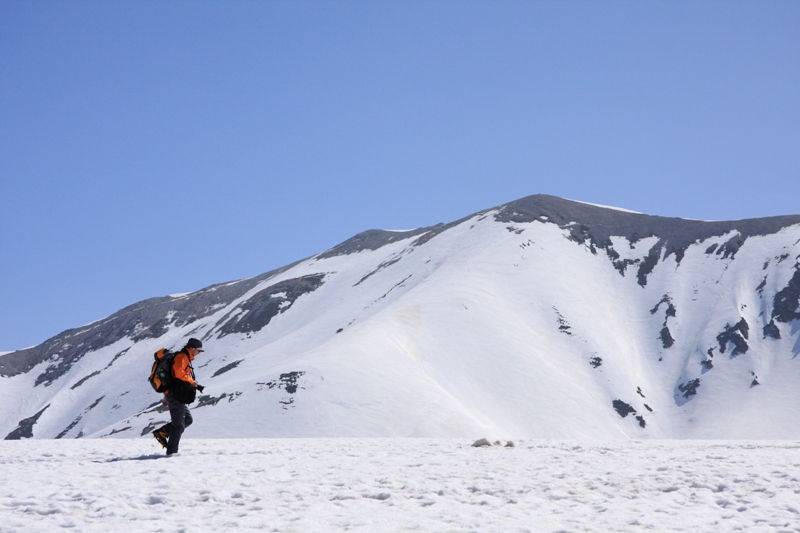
(383, 485)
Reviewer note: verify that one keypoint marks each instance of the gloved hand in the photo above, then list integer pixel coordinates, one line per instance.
(200, 387)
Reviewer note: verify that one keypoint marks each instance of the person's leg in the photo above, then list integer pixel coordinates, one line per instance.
(178, 414)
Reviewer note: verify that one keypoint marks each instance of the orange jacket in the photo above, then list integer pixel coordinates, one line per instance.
(181, 369)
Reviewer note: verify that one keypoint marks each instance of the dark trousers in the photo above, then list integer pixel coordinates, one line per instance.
(181, 418)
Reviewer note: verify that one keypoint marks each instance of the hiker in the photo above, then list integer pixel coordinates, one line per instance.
(181, 392)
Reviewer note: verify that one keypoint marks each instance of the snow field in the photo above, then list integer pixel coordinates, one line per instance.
(376, 485)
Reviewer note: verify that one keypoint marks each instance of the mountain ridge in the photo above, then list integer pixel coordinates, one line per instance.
(365, 292)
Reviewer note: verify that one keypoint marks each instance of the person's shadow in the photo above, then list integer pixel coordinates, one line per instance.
(140, 458)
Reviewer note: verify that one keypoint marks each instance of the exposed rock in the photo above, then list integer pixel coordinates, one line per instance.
(139, 321)
(735, 335)
(623, 409)
(563, 325)
(255, 313)
(729, 248)
(481, 443)
(372, 240)
(25, 428)
(383, 265)
(771, 330)
(786, 306)
(593, 226)
(287, 382)
(84, 379)
(760, 288)
(671, 311)
(666, 338)
(689, 388)
(205, 400)
(227, 368)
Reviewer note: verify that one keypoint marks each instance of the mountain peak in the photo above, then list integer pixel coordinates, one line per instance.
(541, 317)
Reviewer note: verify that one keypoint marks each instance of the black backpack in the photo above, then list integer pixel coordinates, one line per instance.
(161, 373)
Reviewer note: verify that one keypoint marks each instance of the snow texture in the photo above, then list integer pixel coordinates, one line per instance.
(377, 485)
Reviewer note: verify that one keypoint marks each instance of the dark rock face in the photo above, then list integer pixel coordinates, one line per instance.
(735, 335)
(689, 388)
(760, 288)
(25, 428)
(771, 330)
(729, 248)
(666, 338)
(383, 265)
(666, 299)
(85, 379)
(786, 306)
(227, 368)
(373, 239)
(287, 382)
(255, 313)
(146, 319)
(79, 418)
(623, 409)
(593, 226)
(207, 400)
(563, 325)
(667, 341)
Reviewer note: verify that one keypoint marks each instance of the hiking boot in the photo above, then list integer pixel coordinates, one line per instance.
(161, 436)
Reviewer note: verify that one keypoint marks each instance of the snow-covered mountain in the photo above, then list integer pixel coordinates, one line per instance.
(542, 317)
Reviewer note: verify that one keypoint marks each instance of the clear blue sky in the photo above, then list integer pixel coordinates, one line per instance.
(149, 148)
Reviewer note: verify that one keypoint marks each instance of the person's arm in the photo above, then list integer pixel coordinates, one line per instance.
(180, 369)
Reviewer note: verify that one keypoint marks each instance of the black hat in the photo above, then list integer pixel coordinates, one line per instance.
(194, 343)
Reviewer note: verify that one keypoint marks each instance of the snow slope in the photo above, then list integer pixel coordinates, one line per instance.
(377, 485)
(542, 318)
